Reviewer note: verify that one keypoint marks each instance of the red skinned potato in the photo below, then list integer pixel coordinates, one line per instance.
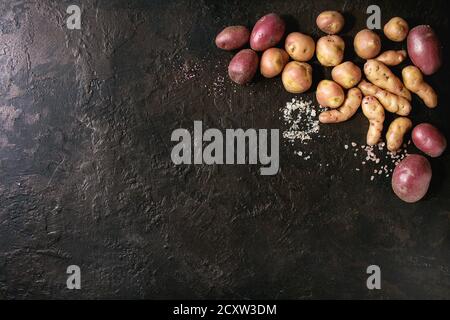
(267, 32)
(232, 38)
(243, 66)
(428, 139)
(411, 178)
(424, 49)
(273, 61)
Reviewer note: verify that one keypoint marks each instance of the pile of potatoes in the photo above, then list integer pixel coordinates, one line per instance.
(380, 91)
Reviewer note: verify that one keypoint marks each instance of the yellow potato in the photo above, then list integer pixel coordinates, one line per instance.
(346, 74)
(346, 111)
(392, 58)
(273, 61)
(300, 46)
(396, 29)
(374, 112)
(390, 101)
(397, 130)
(367, 44)
(329, 94)
(297, 77)
(330, 22)
(330, 50)
(413, 80)
(380, 75)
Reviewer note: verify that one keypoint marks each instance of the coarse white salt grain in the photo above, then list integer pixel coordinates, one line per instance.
(300, 118)
(346, 147)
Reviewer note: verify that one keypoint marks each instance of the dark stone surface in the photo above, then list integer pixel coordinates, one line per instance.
(86, 176)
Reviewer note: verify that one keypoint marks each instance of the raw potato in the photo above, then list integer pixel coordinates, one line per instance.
(374, 112)
(232, 38)
(428, 139)
(273, 61)
(392, 58)
(413, 80)
(425, 49)
(396, 29)
(330, 22)
(367, 44)
(297, 77)
(243, 66)
(380, 75)
(347, 74)
(411, 178)
(330, 94)
(300, 46)
(346, 111)
(390, 101)
(330, 50)
(267, 32)
(397, 130)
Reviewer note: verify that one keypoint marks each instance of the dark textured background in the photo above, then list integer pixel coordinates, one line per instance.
(86, 176)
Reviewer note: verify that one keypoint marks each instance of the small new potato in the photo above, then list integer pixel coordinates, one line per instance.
(232, 38)
(425, 49)
(346, 74)
(396, 133)
(330, 50)
(411, 178)
(367, 44)
(300, 46)
(243, 66)
(273, 61)
(297, 77)
(267, 32)
(396, 29)
(330, 22)
(330, 94)
(428, 139)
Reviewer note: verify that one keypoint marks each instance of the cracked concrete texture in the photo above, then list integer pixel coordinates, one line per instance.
(86, 176)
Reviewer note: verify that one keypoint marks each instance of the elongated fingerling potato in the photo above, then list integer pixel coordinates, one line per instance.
(374, 112)
(413, 80)
(346, 111)
(392, 57)
(396, 132)
(390, 101)
(380, 75)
